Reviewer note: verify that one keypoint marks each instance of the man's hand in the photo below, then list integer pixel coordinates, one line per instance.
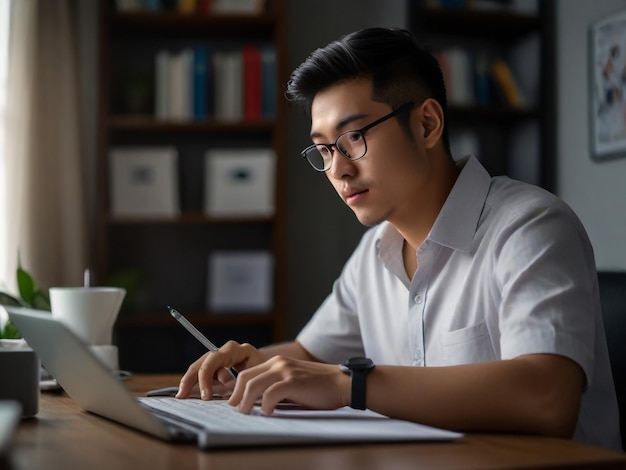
(311, 384)
(211, 370)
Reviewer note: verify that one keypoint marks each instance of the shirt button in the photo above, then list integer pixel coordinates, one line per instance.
(418, 355)
(418, 298)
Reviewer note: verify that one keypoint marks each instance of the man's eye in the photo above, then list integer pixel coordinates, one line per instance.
(324, 151)
(354, 137)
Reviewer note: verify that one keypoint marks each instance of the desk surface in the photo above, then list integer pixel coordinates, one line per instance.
(63, 436)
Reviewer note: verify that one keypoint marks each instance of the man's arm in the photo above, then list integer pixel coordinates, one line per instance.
(537, 393)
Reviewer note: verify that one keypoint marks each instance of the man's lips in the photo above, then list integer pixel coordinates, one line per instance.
(352, 195)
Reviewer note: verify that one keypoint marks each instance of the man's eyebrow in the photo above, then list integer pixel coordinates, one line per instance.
(343, 123)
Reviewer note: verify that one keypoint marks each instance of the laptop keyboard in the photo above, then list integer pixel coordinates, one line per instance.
(215, 415)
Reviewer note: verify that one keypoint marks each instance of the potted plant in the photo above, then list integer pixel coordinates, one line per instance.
(30, 295)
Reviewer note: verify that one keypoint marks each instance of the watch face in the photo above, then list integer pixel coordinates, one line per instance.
(359, 363)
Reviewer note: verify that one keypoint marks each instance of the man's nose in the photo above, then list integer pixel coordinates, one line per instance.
(340, 166)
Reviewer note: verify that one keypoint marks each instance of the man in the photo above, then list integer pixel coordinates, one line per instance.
(475, 297)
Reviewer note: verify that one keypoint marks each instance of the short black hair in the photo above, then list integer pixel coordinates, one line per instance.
(400, 69)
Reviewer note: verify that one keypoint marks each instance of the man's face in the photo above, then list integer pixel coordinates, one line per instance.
(390, 182)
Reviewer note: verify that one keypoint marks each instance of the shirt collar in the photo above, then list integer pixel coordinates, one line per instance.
(457, 221)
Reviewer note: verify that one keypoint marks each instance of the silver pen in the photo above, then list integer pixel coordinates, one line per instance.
(197, 334)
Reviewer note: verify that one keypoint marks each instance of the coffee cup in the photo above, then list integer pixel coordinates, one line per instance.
(89, 312)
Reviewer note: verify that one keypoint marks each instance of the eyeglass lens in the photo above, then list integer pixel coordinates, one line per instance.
(351, 145)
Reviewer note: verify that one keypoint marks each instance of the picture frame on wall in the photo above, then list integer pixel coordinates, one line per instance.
(607, 90)
(240, 281)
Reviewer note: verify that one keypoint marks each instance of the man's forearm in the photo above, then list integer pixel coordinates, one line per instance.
(535, 394)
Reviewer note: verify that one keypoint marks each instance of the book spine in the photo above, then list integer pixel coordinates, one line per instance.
(180, 89)
(219, 76)
(461, 84)
(161, 106)
(186, 6)
(229, 86)
(268, 82)
(506, 84)
(252, 82)
(235, 91)
(200, 83)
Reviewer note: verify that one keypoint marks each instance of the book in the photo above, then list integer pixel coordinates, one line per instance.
(144, 182)
(506, 84)
(162, 105)
(186, 6)
(200, 83)
(228, 85)
(268, 82)
(458, 76)
(252, 7)
(180, 90)
(251, 82)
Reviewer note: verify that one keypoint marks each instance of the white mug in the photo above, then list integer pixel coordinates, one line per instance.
(89, 312)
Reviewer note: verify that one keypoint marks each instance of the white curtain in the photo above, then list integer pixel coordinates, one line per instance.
(4, 39)
(45, 197)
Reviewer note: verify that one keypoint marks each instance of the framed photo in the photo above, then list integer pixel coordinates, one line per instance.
(607, 91)
(240, 281)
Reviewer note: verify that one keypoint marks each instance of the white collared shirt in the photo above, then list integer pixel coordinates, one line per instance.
(506, 270)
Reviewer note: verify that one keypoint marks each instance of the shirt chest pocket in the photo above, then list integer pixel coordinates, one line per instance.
(467, 345)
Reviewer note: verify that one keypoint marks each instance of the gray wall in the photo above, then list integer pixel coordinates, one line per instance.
(322, 231)
(596, 191)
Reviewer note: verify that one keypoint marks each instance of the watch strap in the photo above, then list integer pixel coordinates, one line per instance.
(358, 368)
(359, 398)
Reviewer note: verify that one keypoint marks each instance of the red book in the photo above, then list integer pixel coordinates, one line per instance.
(251, 82)
(204, 6)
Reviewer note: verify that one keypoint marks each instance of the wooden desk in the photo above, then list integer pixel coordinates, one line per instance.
(62, 436)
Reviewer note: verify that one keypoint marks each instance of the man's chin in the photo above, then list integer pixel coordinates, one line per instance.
(369, 220)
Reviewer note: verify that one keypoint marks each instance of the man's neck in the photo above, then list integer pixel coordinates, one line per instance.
(414, 228)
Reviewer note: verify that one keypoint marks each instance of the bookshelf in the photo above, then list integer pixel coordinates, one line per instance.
(512, 139)
(164, 260)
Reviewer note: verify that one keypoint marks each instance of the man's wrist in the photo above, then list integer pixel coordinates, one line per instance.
(358, 368)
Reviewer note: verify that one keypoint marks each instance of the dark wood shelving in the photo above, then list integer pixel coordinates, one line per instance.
(498, 25)
(167, 259)
(497, 132)
(173, 23)
(151, 124)
(189, 218)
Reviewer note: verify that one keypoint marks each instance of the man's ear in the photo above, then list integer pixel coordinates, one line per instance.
(431, 115)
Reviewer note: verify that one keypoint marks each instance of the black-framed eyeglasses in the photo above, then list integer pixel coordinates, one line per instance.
(351, 144)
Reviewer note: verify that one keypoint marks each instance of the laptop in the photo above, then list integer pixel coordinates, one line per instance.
(211, 424)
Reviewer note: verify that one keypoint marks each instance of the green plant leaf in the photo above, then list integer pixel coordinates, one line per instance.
(10, 331)
(40, 300)
(7, 299)
(26, 286)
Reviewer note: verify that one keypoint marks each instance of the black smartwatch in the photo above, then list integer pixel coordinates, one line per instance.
(358, 368)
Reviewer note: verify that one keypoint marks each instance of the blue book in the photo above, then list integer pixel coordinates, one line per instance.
(200, 83)
(268, 82)
(152, 5)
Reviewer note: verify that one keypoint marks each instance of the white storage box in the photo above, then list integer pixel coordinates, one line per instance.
(144, 182)
(239, 182)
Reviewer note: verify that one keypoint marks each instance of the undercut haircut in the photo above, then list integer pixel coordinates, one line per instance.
(400, 70)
